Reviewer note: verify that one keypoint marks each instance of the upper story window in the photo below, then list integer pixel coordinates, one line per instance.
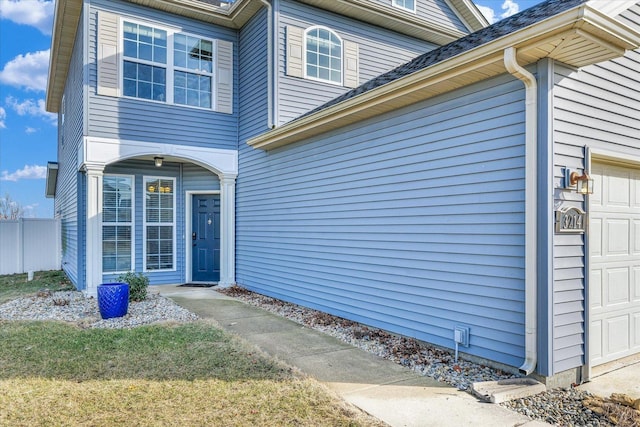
(323, 55)
(193, 59)
(147, 61)
(318, 53)
(147, 70)
(409, 5)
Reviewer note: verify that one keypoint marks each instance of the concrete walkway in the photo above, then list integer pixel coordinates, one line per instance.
(621, 376)
(382, 388)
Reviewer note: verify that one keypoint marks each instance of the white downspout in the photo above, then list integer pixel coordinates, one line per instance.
(270, 78)
(531, 191)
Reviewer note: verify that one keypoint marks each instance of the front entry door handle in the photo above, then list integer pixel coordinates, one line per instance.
(193, 236)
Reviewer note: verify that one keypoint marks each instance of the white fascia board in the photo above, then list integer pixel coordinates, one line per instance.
(104, 151)
(469, 14)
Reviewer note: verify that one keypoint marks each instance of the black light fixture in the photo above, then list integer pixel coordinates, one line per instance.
(158, 161)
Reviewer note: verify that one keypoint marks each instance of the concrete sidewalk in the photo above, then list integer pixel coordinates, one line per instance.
(382, 388)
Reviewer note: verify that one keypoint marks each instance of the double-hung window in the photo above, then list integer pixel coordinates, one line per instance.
(145, 62)
(319, 53)
(166, 66)
(323, 55)
(159, 223)
(193, 73)
(409, 5)
(117, 223)
(161, 63)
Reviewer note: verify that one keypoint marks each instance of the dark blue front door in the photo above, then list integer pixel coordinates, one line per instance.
(205, 238)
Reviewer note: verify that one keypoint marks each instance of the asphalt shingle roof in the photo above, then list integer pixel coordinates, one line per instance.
(501, 28)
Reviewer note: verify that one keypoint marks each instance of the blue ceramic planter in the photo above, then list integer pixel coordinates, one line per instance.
(113, 299)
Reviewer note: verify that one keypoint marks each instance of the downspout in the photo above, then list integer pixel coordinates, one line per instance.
(270, 79)
(531, 191)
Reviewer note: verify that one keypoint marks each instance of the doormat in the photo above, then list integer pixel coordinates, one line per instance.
(197, 285)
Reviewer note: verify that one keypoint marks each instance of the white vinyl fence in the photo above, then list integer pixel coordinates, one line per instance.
(29, 244)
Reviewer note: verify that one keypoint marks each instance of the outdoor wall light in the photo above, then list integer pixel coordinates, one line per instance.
(583, 183)
(158, 161)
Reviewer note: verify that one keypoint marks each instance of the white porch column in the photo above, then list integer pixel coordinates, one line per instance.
(93, 247)
(227, 230)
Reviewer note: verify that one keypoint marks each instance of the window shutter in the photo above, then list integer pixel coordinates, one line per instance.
(107, 66)
(351, 66)
(295, 50)
(224, 77)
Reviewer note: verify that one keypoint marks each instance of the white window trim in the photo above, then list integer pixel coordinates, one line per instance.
(395, 3)
(132, 223)
(144, 224)
(304, 56)
(169, 67)
(63, 109)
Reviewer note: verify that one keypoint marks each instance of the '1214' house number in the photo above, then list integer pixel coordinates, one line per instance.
(570, 220)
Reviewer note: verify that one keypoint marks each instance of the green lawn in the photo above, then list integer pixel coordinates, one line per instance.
(16, 285)
(53, 373)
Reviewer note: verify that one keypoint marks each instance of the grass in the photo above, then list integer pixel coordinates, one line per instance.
(53, 373)
(16, 285)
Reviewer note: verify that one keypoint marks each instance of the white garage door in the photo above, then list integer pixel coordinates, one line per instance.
(614, 241)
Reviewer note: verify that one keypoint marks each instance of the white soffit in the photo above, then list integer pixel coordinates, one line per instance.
(612, 7)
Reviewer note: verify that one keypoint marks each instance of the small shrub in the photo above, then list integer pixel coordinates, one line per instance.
(138, 284)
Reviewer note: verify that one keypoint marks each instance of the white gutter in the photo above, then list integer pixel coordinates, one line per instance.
(531, 217)
(270, 47)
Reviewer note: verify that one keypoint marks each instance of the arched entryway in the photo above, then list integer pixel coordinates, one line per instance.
(159, 223)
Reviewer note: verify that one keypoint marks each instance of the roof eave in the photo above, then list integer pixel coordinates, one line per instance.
(391, 18)
(68, 12)
(65, 25)
(67, 16)
(582, 26)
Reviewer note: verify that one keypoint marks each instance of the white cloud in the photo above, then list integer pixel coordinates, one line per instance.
(36, 13)
(510, 7)
(27, 71)
(28, 172)
(488, 13)
(30, 130)
(3, 116)
(31, 211)
(31, 107)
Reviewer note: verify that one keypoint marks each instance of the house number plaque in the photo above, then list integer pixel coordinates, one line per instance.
(570, 220)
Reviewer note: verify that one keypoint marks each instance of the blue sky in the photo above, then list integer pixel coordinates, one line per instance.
(28, 134)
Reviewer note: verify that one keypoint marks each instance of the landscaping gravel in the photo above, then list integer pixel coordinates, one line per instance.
(73, 306)
(557, 407)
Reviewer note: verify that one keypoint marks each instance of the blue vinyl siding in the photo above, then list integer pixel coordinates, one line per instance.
(68, 200)
(412, 222)
(132, 119)
(196, 178)
(437, 11)
(380, 50)
(253, 77)
(599, 107)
